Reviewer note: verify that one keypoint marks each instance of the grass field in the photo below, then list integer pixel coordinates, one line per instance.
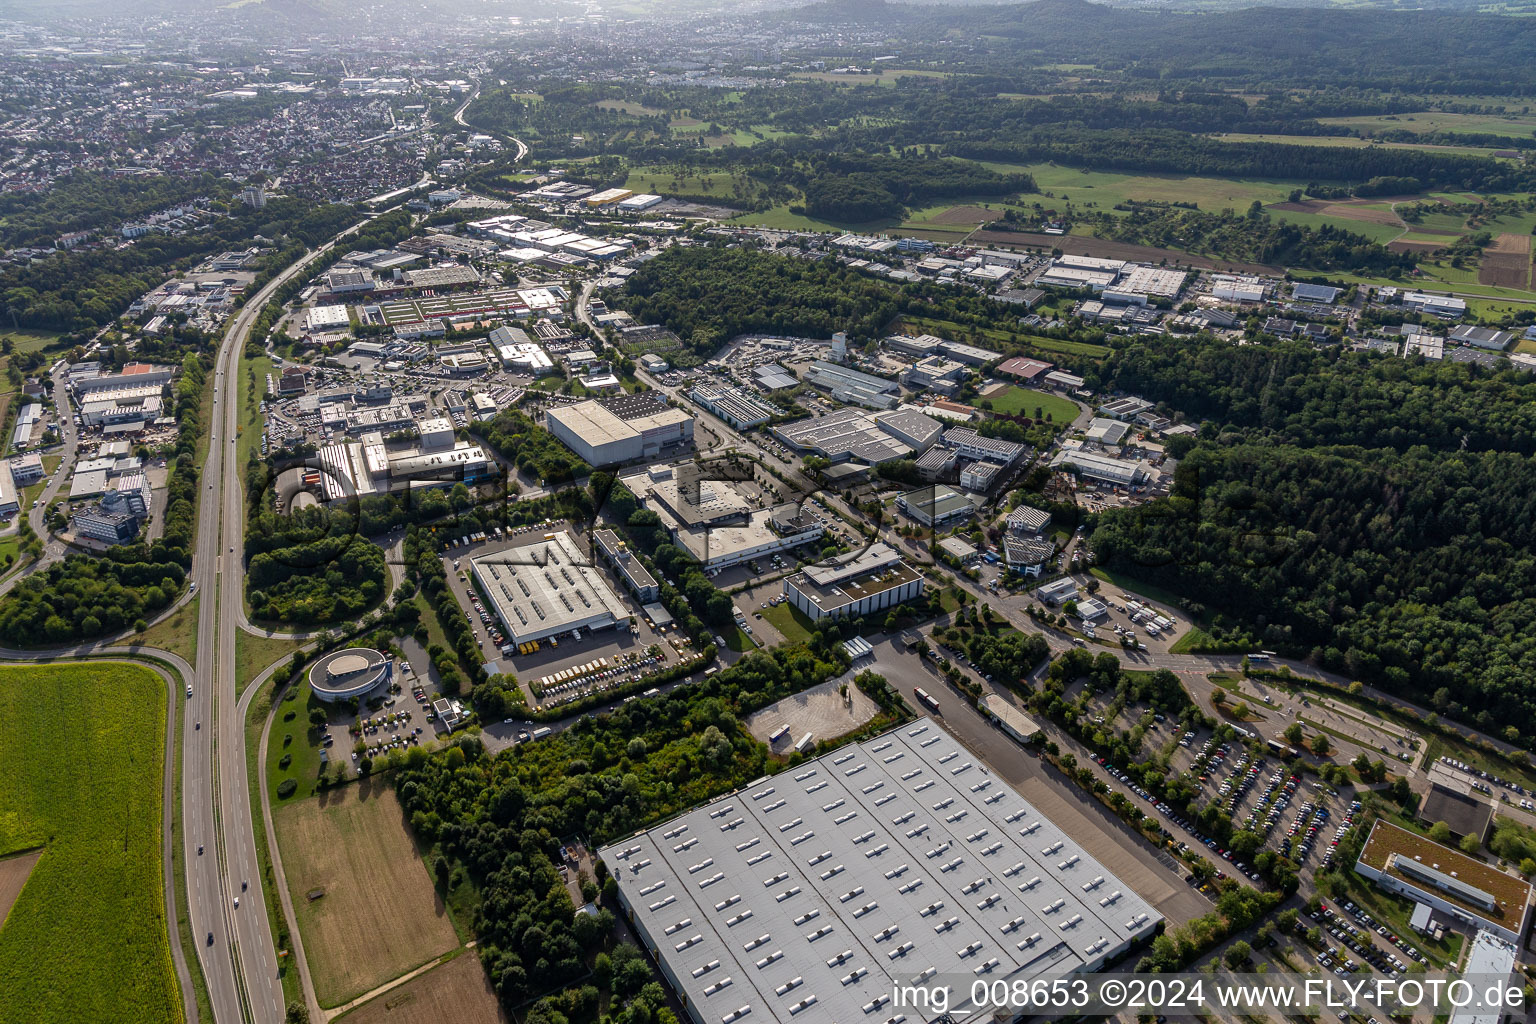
(794, 624)
(176, 632)
(1023, 402)
(1382, 233)
(457, 991)
(254, 653)
(376, 915)
(81, 755)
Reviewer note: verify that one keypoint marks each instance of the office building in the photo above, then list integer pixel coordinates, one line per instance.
(98, 524)
(978, 477)
(1026, 519)
(630, 569)
(857, 585)
(816, 894)
(27, 469)
(1466, 889)
(1439, 305)
(714, 521)
(1026, 554)
(546, 588)
(1058, 591)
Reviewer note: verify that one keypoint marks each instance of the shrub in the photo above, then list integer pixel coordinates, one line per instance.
(286, 788)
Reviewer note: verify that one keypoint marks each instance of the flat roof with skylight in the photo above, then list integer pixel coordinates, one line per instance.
(546, 588)
(895, 861)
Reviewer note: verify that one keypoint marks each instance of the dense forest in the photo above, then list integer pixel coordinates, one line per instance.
(531, 448)
(311, 567)
(1375, 514)
(708, 295)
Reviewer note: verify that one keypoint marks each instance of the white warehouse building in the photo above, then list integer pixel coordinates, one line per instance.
(886, 863)
(546, 588)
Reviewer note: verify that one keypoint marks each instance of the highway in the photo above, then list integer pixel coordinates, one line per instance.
(240, 964)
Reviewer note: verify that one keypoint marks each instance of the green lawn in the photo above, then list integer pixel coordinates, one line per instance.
(1394, 912)
(737, 640)
(293, 738)
(81, 756)
(1382, 233)
(176, 632)
(254, 374)
(790, 621)
(1024, 402)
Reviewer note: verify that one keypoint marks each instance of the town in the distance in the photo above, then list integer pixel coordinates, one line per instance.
(677, 513)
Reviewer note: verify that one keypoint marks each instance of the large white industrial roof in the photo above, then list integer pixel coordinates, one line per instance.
(892, 861)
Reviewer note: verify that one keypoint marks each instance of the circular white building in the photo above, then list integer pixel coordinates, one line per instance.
(350, 673)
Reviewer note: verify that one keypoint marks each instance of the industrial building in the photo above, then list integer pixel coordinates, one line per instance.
(852, 434)
(814, 895)
(870, 581)
(1462, 887)
(26, 469)
(328, 318)
(714, 521)
(1158, 282)
(88, 384)
(853, 387)
(935, 373)
(1482, 337)
(107, 527)
(1120, 472)
(1452, 799)
(546, 588)
(1321, 293)
(1023, 369)
(520, 353)
(1439, 305)
(1102, 430)
(10, 503)
(368, 466)
(1239, 287)
(621, 428)
(935, 505)
(739, 407)
(1058, 591)
(973, 445)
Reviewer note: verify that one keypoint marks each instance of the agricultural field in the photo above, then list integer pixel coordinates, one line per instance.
(1103, 190)
(365, 904)
(1429, 121)
(457, 991)
(81, 762)
(1350, 142)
